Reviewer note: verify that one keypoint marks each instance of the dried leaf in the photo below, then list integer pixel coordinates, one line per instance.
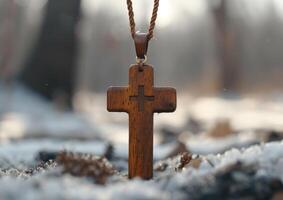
(221, 129)
(86, 165)
(184, 160)
(195, 162)
(278, 195)
(180, 148)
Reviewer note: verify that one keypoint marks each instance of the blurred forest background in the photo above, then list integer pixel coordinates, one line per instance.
(204, 47)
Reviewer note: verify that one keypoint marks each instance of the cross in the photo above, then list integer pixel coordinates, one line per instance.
(141, 100)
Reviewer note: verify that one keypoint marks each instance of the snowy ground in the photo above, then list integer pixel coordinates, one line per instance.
(230, 139)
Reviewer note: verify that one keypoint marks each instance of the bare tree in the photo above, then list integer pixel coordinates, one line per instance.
(226, 41)
(7, 39)
(51, 68)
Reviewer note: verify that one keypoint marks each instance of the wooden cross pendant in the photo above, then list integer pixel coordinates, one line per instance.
(141, 100)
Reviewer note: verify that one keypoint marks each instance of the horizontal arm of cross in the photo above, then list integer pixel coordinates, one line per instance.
(117, 99)
(164, 99)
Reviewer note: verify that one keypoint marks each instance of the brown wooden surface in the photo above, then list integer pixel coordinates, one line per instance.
(141, 100)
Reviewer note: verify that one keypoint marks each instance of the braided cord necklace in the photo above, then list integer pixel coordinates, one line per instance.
(141, 39)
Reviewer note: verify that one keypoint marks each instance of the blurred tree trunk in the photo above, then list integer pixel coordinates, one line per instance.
(226, 41)
(7, 38)
(51, 68)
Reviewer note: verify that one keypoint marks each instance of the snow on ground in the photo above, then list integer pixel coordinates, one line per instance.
(29, 125)
(46, 185)
(243, 113)
(203, 145)
(24, 152)
(25, 114)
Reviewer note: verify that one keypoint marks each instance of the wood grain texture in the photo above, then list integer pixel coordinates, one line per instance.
(141, 100)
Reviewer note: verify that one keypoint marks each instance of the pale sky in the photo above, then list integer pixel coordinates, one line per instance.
(173, 11)
(169, 11)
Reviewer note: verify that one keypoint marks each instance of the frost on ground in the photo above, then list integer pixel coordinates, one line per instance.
(253, 173)
(213, 149)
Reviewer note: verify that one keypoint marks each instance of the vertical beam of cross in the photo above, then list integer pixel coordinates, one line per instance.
(141, 100)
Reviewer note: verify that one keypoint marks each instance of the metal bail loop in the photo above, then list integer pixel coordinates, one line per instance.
(141, 44)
